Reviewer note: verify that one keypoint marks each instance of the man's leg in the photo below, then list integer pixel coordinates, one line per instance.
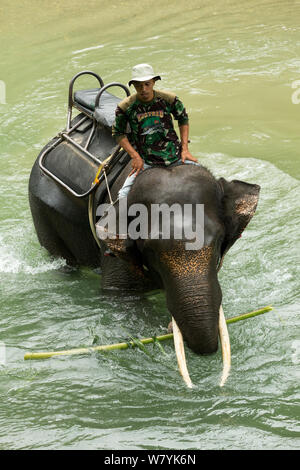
(192, 163)
(123, 192)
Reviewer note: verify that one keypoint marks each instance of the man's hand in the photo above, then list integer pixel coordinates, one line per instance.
(184, 138)
(137, 164)
(185, 155)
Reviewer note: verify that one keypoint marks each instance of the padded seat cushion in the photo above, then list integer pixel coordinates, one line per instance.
(105, 112)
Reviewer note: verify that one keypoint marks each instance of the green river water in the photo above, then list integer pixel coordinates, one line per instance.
(236, 66)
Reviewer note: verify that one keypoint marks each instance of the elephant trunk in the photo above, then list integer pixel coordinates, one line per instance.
(225, 344)
(194, 297)
(196, 311)
(200, 321)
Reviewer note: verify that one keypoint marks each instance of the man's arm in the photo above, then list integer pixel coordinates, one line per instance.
(119, 132)
(184, 137)
(136, 160)
(179, 112)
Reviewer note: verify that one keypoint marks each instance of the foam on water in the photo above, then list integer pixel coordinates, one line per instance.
(19, 252)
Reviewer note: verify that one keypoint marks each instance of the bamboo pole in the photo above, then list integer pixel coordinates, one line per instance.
(244, 316)
(131, 344)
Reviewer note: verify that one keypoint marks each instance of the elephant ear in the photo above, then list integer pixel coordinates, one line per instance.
(240, 200)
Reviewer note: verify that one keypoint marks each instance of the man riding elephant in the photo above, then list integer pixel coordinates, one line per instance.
(147, 117)
(189, 277)
(148, 113)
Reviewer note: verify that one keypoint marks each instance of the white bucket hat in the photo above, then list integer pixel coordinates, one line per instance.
(142, 72)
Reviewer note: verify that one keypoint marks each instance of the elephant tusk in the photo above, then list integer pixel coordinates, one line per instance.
(179, 348)
(225, 344)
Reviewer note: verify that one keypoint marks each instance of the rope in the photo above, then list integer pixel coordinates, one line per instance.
(107, 187)
(92, 195)
(101, 167)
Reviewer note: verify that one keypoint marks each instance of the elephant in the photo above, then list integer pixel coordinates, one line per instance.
(188, 277)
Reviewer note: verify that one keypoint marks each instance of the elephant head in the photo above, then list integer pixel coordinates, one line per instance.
(190, 277)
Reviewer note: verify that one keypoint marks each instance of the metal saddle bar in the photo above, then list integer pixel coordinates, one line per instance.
(97, 107)
(62, 183)
(66, 135)
(71, 101)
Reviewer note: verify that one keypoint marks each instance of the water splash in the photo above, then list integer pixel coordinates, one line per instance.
(20, 252)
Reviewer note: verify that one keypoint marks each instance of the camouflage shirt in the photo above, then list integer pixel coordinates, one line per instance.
(152, 131)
